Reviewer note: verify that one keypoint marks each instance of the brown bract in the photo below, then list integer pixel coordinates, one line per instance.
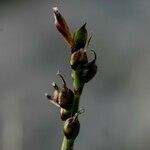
(63, 28)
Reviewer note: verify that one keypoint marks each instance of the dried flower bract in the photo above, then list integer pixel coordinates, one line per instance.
(63, 28)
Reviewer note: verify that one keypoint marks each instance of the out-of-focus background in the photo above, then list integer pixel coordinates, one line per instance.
(117, 100)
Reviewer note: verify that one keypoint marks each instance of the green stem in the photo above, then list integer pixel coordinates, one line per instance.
(67, 144)
(78, 87)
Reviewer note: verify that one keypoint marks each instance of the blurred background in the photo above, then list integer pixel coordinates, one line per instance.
(117, 100)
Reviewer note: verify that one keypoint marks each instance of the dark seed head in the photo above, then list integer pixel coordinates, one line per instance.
(66, 96)
(89, 69)
(71, 128)
(78, 58)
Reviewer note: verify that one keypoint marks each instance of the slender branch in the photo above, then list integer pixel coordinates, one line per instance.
(78, 87)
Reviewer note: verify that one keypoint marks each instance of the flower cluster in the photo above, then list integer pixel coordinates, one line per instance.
(83, 71)
(63, 98)
(78, 43)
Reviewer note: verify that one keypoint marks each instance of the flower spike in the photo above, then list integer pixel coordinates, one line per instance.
(83, 71)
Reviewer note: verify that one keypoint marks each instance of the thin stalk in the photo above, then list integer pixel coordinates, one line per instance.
(67, 144)
(78, 87)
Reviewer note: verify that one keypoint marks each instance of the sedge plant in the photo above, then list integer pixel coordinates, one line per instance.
(82, 71)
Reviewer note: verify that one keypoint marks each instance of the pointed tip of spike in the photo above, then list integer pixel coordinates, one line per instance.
(55, 9)
(84, 25)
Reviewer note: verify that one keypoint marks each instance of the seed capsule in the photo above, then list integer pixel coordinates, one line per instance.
(78, 58)
(72, 126)
(89, 70)
(66, 96)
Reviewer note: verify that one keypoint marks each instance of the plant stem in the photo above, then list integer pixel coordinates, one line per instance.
(78, 87)
(67, 144)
